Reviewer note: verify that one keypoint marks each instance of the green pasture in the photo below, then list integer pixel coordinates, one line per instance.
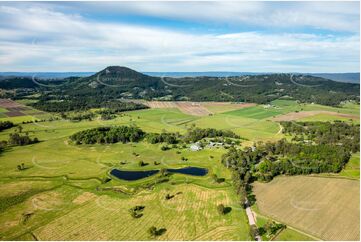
(58, 172)
(352, 168)
(289, 234)
(257, 112)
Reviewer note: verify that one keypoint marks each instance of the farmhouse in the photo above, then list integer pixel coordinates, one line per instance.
(195, 147)
(215, 144)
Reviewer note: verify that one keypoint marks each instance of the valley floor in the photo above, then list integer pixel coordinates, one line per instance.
(63, 195)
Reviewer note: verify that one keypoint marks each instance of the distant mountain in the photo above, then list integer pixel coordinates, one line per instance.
(340, 77)
(119, 72)
(206, 73)
(116, 82)
(46, 75)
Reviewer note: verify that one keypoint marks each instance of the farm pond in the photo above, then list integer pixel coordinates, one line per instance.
(136, 175)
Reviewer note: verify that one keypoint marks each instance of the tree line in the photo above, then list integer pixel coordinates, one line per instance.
(6, 125)
(67, 104)
(18, 139)
(195, 134)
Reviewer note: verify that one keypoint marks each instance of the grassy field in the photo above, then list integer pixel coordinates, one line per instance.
(62, 194)
(188, 216)
(289, 234)
(352, 168)
(70, 213)
(329, 118)
(59, 172)
(327, 208)
(257, 112)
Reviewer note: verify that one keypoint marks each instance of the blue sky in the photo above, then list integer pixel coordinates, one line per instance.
(180, 36)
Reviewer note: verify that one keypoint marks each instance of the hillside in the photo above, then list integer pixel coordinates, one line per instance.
(121, 82)
(340, 77)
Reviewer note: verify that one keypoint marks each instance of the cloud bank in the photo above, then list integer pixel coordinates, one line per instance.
(72, 37)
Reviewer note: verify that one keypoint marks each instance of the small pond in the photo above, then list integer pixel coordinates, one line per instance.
(136, 175)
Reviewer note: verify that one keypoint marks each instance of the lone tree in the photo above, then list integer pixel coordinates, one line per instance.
(154, 232)
(221, 209)
(21, 167)
(168, 196)
(163, 172)
(136, 212)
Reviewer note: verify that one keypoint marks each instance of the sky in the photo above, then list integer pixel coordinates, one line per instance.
(180, 36)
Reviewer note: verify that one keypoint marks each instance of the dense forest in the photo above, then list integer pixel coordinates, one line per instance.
(107, 104)
(336, 133)
(120, 82)
(195, 134)
(108, 135)
(325, 147)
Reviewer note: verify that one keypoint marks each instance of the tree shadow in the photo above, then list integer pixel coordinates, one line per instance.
(161, 231)
(227, 210)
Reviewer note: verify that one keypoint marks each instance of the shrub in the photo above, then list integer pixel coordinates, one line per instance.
(221, 209)
(136, 212)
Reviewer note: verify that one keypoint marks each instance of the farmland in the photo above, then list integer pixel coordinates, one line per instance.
(199, 108)
(66, 192)
(313, 205)
(17, 112)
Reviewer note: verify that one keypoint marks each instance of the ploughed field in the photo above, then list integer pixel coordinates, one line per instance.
(328, 208)
(11, 109)
(64, 193)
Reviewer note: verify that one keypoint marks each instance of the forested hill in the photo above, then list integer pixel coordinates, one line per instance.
(121, 82)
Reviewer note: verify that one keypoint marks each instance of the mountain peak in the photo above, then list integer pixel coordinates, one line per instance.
(120, 71)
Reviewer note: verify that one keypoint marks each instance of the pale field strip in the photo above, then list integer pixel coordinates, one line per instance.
(304, 114)
(196, 108)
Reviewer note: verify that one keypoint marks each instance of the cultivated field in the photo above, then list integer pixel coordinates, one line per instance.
(73, 212)
(191, 214)
(17, 112)
(199, 108)
(327, 208)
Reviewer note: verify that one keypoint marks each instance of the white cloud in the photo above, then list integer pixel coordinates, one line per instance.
(41, 39)
(336, 16)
